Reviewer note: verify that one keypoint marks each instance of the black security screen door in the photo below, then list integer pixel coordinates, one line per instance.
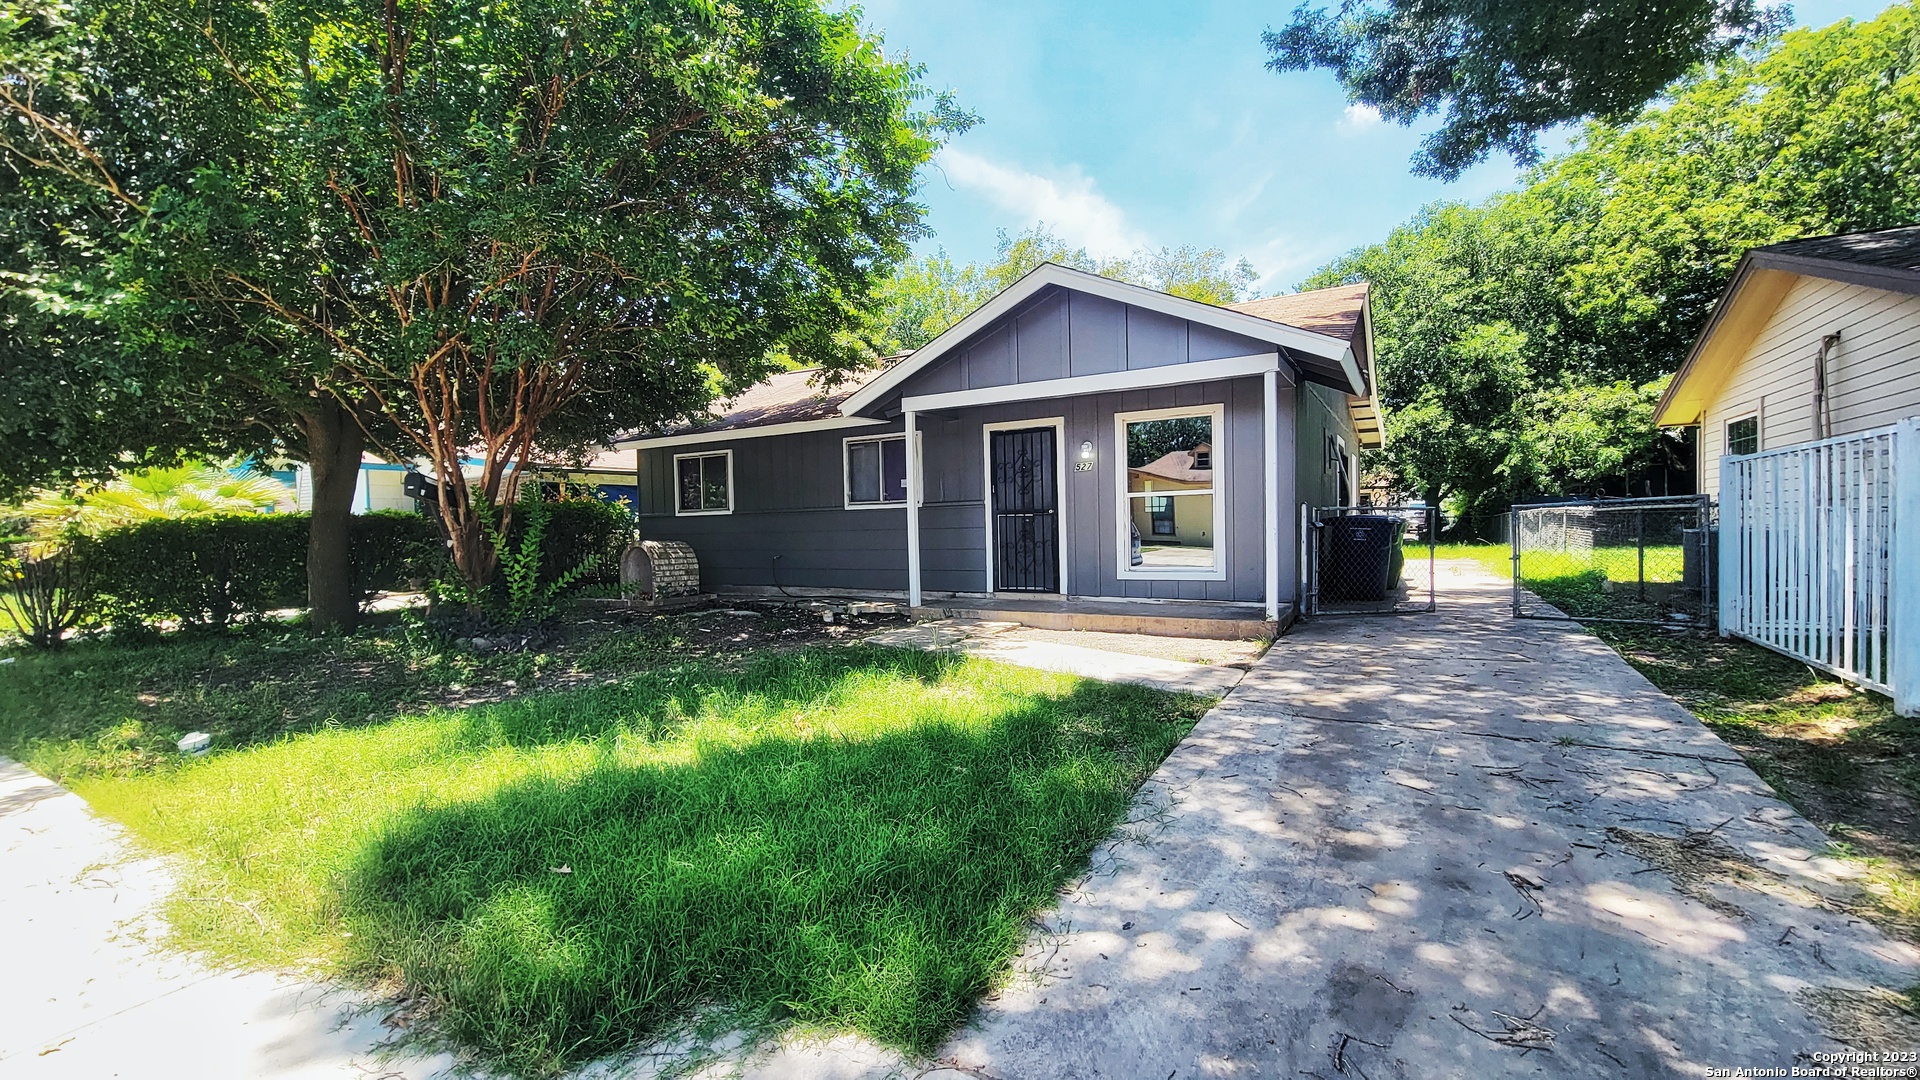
(1026, 511)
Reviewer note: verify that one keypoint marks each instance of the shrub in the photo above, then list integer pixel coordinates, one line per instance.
(577, 532)
(50, 594)
(550, 549)
(213, 571)
(204, 571)
(393, 550)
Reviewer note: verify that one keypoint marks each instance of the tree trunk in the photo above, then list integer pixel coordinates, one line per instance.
(334, 445)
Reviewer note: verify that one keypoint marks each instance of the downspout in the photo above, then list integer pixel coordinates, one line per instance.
(1822, 406)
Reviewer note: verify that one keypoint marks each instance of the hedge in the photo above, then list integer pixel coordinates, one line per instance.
(578, 530)
(212, 571)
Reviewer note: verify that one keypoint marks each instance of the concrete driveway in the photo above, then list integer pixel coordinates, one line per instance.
(1448, 845)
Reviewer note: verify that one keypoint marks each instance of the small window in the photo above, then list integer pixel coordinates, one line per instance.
(1160, 509)
(1743, 436)
(705, 483)
(876, 471)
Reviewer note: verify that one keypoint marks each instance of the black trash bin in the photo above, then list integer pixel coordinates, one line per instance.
(1355, 555)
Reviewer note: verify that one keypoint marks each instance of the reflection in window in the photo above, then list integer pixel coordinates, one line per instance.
(1170, 491)
(703, 484)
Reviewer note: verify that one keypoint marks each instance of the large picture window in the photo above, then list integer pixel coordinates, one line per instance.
(704, 483)
(1170, 499)
(876, 471)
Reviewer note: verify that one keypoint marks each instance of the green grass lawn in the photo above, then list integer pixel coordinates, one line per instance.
(635, 834)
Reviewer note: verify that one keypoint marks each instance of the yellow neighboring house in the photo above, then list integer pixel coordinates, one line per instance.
(1812, 339)
(1161, 520)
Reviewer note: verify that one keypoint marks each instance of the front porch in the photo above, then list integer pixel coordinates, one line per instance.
(1165, 618)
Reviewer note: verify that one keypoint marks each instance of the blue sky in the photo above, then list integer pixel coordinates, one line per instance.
(1130, 124)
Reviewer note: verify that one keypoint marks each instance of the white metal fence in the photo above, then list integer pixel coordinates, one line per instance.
(1820, 555)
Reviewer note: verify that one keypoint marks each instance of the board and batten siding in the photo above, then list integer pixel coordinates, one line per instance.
(953, 518)
(1873, 372)
(1060, 334)
(1322, 412)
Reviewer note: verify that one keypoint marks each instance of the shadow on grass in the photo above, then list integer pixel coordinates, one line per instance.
(874, 878)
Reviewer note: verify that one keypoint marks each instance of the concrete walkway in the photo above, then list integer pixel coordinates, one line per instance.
(1448, 845)
(1110, 659)
(85, 995)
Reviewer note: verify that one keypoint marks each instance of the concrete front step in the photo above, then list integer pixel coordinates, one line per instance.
(1161, 619)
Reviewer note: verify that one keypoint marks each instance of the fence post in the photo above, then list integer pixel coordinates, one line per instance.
(1903, 591)
(1732, 549)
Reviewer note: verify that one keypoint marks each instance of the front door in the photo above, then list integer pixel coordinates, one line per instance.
(1026, 511)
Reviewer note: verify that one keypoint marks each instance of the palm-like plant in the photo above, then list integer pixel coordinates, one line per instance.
(191, 489)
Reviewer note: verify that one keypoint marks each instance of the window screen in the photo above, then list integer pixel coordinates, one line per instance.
(877, 471)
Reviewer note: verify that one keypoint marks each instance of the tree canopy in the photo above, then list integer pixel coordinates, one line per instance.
(1507, 69)
(473, 228)
(926, 295)
(1523, 341)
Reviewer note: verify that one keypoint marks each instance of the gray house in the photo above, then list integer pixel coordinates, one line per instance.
(1077, 447)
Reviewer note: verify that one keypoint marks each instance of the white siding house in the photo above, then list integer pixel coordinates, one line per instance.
(1760, 356)
(1805, 387)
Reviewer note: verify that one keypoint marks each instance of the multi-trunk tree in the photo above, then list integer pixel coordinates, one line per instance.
(460, 230)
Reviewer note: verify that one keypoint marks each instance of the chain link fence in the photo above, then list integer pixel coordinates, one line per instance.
(1370, 560)
(1616, 560)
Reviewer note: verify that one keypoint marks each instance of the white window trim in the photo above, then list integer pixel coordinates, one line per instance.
(1759, 431)
(1123, 509)
(846, 471)
(1059, 426)
(677, 458)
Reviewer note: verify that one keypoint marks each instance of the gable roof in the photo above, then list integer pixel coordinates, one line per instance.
(1178, 465)
(1886, 259)
(1883, 259)
(1323, 357)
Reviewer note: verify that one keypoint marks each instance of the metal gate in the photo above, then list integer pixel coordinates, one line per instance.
(1369, 560)
(1615, 560)
(1026, 517)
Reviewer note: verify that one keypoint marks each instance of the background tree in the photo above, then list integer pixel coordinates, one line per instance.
(1507, 69)
(1524, 341)
(926, 295)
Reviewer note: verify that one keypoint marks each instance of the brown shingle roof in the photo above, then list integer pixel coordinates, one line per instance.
(788, 397)
(1334, 311)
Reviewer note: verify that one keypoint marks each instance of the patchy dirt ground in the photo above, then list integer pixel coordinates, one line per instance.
(120, 706)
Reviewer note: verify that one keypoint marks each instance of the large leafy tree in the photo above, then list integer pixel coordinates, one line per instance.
(1524, 341)
(1504, 70)
(467, 228)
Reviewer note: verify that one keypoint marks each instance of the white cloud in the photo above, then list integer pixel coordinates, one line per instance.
(1283, 260)
(1360, 117)
(1071, 206)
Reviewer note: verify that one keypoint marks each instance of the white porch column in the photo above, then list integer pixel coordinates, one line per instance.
(913, 510)
(1270, 433)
